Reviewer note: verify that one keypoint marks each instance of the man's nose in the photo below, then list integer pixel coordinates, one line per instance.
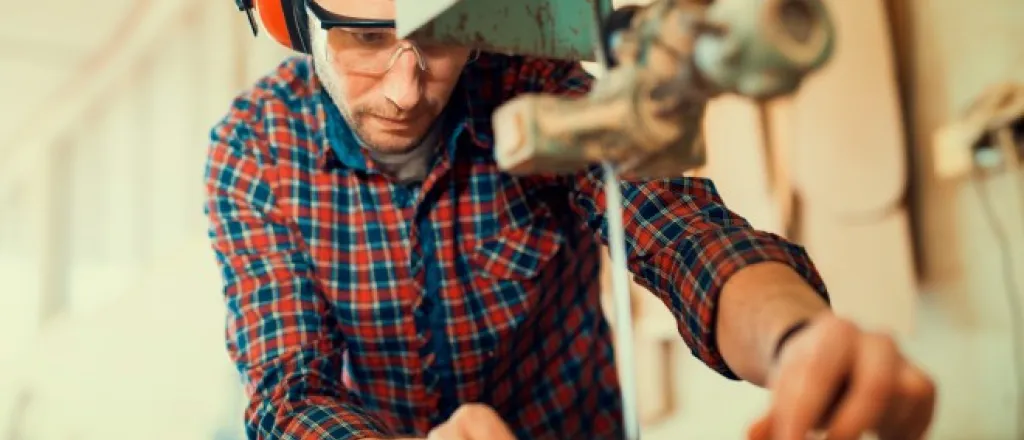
(402, 83)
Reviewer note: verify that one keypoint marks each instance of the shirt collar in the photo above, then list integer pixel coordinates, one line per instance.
(340, 141)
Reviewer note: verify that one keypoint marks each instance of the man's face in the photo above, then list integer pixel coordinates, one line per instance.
(390, 109)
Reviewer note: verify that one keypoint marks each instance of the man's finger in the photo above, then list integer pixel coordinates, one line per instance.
(807, 381)
(473, 422)
(872, 384)
(480, 422)
(913, 406)
(447, 431)
(761, 429)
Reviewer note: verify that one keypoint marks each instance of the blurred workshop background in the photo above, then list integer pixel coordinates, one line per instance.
(907, 194)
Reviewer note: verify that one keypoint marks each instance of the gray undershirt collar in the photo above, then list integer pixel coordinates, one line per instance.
(410, 166)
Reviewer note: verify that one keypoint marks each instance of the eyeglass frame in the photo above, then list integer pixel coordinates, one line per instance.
(330, 20)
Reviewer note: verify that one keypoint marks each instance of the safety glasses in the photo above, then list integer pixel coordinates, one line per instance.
(372, 47)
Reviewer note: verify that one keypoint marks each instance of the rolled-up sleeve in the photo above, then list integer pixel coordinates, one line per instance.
(279, 331)
(683, 244)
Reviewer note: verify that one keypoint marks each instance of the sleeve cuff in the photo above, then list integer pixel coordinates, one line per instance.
(334, 421)
(710, 259)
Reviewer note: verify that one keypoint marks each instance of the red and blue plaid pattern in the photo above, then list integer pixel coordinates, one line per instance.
(361, 307)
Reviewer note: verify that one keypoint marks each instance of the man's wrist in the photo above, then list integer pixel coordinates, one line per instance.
(758, 305)
(791, 321)
(788, 335)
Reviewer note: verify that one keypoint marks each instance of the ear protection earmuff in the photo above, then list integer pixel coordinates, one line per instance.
(285, 20)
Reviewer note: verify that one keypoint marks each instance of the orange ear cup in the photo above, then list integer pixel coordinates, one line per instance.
(278, 19)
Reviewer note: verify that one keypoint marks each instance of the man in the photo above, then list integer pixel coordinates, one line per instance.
(385, 279)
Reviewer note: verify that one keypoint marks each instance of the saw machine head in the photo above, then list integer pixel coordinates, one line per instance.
(663, 62)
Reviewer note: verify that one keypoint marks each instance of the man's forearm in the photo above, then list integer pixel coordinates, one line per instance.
(757, 305)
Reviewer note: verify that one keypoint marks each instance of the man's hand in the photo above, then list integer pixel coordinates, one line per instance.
(834, 377)
(472, 422)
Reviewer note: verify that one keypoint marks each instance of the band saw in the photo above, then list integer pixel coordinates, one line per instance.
(660, 65)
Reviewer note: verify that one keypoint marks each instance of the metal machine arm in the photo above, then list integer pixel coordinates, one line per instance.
(666, 61)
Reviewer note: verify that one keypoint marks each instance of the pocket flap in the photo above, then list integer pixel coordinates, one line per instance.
(518, 253)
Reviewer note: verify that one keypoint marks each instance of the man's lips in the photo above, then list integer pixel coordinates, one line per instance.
(396, 123)
(404, 120)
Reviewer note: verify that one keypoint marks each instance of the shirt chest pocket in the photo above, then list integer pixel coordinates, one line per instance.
(518, 235)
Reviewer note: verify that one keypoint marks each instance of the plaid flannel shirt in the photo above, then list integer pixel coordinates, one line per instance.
(361, 307)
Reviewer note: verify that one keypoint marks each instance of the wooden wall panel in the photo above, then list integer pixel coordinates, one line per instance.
(827, 168)
(850, 171)
(851, 153)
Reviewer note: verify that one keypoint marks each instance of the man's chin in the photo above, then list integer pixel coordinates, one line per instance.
(390, 144)
(392, 138)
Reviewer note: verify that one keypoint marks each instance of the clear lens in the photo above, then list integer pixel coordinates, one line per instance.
(363, 50)
(374, 51)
